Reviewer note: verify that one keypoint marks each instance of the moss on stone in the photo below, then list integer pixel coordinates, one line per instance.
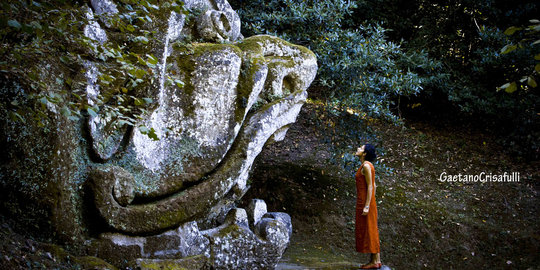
(90, 262)
(188, 263)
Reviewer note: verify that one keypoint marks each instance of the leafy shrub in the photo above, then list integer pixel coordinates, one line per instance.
(52, 32)
(360, 68)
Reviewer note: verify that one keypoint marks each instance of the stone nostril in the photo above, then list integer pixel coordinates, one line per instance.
(289, 84)
(225, 22)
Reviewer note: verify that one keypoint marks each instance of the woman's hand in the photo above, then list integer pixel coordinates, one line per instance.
(365, 211)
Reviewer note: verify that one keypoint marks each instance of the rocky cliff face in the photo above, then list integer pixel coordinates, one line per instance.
(136, 199)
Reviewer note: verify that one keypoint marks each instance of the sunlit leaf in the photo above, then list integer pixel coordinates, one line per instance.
(508, 48)
(43, 100)
(152, 135)
(531, 82)
(65, 111)
(123, 122)
(143, 129)
(511, 30)
(179, 83)
(511, 88)
(91, 112)
(14, 23)
(141, 61)
(139, 73)
(152, 59)
(142, 39)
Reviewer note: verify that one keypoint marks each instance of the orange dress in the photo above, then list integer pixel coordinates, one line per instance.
(366, 230)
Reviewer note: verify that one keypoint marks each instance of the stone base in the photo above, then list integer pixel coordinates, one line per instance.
(195, 262)
(232, 245)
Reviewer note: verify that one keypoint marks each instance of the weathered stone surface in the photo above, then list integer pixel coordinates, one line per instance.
(185, 241)
(197, 142)
(283, 217)
(256, 210)
(218, 21)
(234, 246)
(146, 194)
(231, 245)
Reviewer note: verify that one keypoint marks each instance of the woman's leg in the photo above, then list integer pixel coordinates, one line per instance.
(375, 258)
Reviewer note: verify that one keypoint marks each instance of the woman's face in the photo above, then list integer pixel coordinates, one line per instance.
(360, 151)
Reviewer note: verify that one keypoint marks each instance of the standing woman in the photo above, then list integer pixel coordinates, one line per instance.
(366, 230)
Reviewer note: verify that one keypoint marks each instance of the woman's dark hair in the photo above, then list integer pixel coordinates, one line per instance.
(369, 149)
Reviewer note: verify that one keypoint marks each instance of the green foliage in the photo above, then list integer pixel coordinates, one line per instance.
(530, 38)
(52, 34)
(477, 57)
(357, 64)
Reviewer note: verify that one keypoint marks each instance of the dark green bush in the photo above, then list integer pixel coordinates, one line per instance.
(359, 67)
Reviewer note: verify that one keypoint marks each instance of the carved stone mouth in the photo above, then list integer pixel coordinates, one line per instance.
(252, 71)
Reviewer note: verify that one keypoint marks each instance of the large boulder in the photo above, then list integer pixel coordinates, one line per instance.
(135, 198)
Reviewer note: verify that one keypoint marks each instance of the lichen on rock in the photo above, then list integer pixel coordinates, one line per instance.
(148, 195)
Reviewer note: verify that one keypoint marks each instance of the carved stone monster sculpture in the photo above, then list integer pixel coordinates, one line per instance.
(153, 195)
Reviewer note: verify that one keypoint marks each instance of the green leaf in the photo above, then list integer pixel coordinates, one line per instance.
(91, 112)
(14, 23)
(511, 30)
(179, 83)
(531, 82)
(123, 122)
(152, 135)
(510, 87)
(537, 68)
(64, 59)
(534, 21)
(16, 117)
(139, 73)
(143, 129)
(508, 48)
(43, 100)
(142, 39)
(65, 111)
(130, 28)
(138, 102)
(537, 57)
(148, 100)
(152, 59)
(141, 61)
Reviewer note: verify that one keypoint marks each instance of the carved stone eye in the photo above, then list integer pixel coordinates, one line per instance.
(217, 25)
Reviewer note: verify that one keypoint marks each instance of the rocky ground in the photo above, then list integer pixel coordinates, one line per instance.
(423, 222)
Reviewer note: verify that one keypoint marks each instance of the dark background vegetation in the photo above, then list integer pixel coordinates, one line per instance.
(428, 59)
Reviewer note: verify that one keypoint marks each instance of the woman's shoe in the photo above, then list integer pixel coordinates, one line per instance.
(371, 266)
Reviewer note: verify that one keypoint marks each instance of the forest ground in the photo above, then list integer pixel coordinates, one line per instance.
(423, 222)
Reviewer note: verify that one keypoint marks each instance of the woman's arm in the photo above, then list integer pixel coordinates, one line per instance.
(366, 171)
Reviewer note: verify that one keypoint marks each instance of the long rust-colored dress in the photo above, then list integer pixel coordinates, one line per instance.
(366, 230)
